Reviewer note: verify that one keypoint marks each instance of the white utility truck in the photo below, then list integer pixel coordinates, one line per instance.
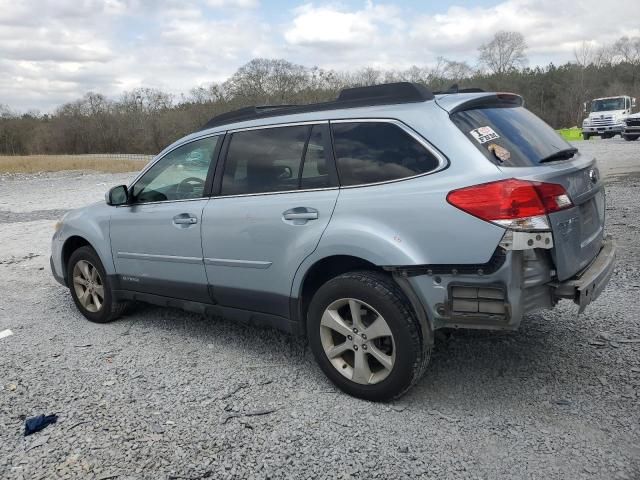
(606, 116)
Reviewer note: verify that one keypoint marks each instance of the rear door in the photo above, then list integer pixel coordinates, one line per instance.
(277, 191)
(523, 146)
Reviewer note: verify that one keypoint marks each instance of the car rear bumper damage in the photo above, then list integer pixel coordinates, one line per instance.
(587, 285)
(497, 295)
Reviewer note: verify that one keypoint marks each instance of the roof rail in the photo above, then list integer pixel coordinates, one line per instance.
(385, 94)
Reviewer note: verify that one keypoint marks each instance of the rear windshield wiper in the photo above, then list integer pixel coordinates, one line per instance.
(565, 154)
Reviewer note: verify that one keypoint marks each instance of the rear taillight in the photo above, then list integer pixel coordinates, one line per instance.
(512, 203)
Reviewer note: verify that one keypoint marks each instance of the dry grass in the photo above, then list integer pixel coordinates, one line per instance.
(55, 163)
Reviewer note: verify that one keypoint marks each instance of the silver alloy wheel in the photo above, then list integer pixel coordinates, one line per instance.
(357, 341)
(88, 286)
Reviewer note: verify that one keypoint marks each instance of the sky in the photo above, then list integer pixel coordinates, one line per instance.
(54, 51)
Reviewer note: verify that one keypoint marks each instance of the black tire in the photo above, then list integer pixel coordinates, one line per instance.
(586, 136)
(381, 293)
(630, 138)
(607, 136)
(110, 308)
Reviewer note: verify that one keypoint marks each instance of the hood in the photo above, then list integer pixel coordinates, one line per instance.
(608, 113)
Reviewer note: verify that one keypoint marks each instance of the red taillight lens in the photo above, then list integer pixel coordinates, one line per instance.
(512, 199)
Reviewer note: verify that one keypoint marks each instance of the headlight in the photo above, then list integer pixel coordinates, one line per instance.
(585, 121)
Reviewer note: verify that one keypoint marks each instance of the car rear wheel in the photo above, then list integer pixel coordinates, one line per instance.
(630, 138)
(90, 288)
(366, 337)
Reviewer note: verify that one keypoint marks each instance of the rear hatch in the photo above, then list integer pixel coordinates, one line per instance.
(523, 146)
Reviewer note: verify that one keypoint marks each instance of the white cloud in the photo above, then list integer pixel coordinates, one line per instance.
(325, 25)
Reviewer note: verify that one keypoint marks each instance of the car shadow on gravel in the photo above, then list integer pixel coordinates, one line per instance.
(466, 365)
(544, 360)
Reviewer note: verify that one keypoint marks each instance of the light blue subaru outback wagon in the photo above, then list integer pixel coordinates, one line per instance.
(364, 224)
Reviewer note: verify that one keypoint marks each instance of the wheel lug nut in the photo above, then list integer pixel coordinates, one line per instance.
(355, 347)
(355, 330)
(364, 347)
(364, 337)
(349, 337)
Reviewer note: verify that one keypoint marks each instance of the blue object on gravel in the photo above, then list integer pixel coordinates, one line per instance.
(35, 424)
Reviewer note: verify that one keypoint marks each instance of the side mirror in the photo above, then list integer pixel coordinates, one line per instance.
(117, 196)
(584, 107)
(633, 103)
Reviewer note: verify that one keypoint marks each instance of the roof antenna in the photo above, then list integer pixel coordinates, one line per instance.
(453, 88)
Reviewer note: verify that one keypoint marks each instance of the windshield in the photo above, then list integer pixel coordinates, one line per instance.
(511, 136)
(607, 104)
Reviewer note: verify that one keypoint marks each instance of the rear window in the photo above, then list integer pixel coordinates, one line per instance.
(510, 136)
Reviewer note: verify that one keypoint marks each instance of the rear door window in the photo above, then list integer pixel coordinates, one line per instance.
(370, 152)
(511, 136)
(264, 160)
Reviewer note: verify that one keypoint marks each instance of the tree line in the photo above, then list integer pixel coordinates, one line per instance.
(145, 120)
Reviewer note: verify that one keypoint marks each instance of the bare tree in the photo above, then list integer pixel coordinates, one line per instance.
(505, 52)
(207, 93)
(628, 50)
(264, 79)
(456, 71)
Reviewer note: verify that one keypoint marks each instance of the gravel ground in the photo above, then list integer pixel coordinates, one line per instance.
(163, 394)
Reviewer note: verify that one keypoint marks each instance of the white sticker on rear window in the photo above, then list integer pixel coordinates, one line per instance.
(484, 134)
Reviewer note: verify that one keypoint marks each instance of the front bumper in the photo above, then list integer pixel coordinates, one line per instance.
(596, 130)
(587, 285)
(632, 130)
(59, 278)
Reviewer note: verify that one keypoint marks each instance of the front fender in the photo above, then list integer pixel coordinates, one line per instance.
(92, 224)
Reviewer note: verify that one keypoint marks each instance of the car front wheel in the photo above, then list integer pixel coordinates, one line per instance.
(89, 287)
(366, 337)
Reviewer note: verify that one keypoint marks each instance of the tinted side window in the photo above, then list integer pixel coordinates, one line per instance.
(264, 160)
(315, 172)
(368, 152)
(179, 175)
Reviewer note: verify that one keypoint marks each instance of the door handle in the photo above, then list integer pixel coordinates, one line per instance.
(185, 219)
(300, 213)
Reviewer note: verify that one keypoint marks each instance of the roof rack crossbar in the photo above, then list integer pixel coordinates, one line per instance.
(386, 94)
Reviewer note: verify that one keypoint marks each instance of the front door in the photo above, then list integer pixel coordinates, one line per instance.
(277, 194)
(155, 239)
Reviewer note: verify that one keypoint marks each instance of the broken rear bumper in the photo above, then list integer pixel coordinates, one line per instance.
(587, 285)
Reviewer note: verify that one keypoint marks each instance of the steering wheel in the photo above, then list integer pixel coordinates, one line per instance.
(187, 187)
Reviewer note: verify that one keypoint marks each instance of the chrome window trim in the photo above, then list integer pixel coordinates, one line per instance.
(279, 125)
(443, 162)
(301, 190)
(131, 205)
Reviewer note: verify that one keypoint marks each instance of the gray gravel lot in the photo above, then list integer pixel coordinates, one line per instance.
(163, 394)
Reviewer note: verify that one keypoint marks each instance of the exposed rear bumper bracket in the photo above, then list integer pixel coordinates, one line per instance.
(586, 286)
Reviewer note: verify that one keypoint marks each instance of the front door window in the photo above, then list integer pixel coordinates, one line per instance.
(180, 175)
